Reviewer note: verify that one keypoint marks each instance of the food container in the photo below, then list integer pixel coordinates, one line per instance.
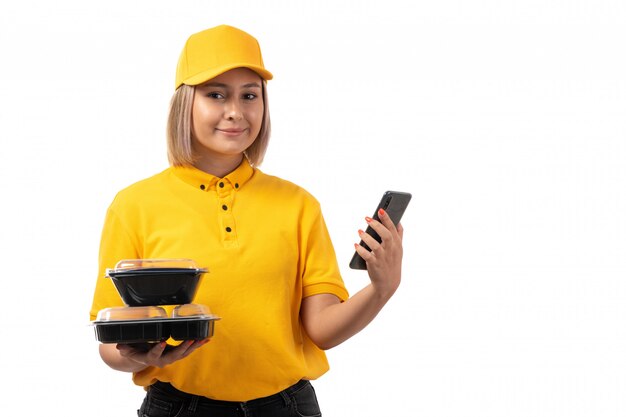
(143, 326)
(130, 324)
(191, 322)
(152, 282)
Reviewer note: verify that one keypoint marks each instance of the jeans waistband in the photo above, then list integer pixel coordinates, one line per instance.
(170, 390)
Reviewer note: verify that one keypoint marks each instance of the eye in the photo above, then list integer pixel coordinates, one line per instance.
(216, 95)
(249, 96)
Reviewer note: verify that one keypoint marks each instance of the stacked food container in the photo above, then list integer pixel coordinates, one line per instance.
(146, 285)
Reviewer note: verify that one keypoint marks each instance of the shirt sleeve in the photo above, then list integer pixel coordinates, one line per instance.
(116, 243)
(320, 274)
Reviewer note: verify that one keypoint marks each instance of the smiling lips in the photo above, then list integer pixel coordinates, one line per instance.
(231, 132)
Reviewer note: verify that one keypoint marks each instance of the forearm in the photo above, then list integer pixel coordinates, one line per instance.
(334, 323)
(329, 322)
(112, 357)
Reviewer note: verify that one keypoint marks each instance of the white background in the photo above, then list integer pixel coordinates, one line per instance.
(505, 120)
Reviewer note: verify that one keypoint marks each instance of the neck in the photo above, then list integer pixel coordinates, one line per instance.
(219, 167)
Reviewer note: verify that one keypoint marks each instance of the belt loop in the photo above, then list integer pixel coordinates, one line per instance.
(193, 404)
(286, 398)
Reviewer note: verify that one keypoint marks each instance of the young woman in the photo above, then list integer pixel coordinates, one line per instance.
(274, 278)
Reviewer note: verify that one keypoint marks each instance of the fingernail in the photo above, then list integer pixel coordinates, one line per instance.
(381, 212)
(356, 245)
(368, 219)
(361, 232)
(162, 344)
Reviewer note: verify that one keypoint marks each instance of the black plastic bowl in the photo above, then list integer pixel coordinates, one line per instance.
(130, 331)
(192, 328)
(154, 330)
(157, 286)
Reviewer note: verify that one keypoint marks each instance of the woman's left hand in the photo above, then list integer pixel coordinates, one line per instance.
(384, 262)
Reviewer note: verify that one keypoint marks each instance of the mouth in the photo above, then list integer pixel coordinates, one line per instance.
(232, 131)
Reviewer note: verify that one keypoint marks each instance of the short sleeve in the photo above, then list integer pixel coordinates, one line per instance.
(320, 273)
(116, 243)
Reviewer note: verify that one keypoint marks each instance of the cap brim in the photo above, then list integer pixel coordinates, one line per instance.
(214, 72)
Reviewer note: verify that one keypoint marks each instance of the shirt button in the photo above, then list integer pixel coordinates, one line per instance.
(228, 229)
(224, 207)
(202, 187)
(221, 185)
(236, 185)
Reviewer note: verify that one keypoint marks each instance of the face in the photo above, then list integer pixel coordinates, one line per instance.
(226, 115)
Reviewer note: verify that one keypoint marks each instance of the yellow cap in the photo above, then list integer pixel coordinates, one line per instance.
(214, 51)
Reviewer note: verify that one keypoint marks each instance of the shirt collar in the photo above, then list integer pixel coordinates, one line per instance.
(204, 181)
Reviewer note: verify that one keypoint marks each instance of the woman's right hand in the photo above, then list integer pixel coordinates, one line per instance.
(158, 355)
(129, 358)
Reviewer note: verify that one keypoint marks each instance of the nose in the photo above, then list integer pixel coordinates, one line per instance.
(233, 110)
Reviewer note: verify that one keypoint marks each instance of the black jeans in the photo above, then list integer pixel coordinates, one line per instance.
(163, 400)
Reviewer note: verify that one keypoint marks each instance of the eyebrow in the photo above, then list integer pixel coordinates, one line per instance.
(222, 85)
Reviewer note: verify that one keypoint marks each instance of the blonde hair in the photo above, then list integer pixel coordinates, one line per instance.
(179, 148)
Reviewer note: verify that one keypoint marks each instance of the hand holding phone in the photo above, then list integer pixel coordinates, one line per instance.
(394, 203)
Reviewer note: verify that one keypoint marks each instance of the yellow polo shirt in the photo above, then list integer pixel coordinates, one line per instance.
(266, 246)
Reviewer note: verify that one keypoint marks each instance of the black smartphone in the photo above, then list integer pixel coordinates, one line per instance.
(394, 203)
